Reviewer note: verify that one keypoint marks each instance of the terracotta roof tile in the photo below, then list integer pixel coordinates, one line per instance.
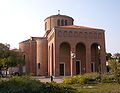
(83, 27)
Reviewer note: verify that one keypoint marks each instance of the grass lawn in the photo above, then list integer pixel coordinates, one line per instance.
(98, 88)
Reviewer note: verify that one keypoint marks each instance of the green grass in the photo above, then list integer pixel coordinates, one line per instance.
(98, 88)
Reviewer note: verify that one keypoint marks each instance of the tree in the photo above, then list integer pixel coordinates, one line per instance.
(114, 66)
(9, 58)
(4, 50)
(117, 56)
(115, 69)
(108, 56)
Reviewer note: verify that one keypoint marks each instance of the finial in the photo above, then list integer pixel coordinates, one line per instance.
(58, 12)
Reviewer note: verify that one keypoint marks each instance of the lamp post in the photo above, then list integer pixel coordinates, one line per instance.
(72, 60)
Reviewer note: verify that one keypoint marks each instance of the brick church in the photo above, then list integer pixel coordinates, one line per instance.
(65, 49)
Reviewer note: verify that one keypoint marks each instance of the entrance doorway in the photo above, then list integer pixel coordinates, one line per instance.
(78, 67)
(92, 67)
(62, 69)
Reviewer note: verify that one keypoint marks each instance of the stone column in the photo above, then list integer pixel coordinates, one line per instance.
(72, 61)
(88, 59)
(57, 68)
(50, 60)
(103, 59)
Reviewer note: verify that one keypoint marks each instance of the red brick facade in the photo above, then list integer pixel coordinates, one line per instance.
(65, 49)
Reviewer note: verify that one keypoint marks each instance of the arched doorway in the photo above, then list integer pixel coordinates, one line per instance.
(64, 59)
(95, 58)
(80, 58)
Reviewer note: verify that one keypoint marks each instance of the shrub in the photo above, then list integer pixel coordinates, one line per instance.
(83, 79)
(79, 79)
(93, 77)
(26, 84)
(106, 78)
(115, 69)
(70, 80)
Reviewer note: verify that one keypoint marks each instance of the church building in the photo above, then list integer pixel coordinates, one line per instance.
(65, 49)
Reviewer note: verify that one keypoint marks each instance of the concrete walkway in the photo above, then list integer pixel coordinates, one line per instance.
(48, 79)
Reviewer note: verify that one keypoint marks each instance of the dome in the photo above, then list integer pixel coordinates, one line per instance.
(57, 20)
(53, 16)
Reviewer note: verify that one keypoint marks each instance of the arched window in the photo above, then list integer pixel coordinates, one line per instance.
(58, 22)
(65, 22)
(62, 22)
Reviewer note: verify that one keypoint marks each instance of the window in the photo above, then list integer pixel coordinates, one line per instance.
(58, 22)
(24, 57)
(65, 22)
(62, 22)
(38, 65)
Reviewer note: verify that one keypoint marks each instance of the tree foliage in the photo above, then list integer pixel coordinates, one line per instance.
(117, 54)
(9, 58)
(115, 69)
(108, 56)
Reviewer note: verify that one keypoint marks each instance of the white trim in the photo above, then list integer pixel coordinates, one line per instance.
(64, 66)
(80, 65)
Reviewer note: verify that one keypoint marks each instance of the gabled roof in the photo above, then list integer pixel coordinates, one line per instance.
(25, 41)
(32, 38)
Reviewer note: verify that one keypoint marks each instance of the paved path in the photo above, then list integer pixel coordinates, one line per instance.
(44, 79)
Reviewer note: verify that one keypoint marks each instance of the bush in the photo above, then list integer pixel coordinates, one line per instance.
(79, 79)
(83, 79)
(106, 78)
(93, 77)
(70, 80)
(20, 85)
(115, 69)
(25, 84)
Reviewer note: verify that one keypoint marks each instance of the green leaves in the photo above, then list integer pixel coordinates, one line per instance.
(9, 58)
(26, 84)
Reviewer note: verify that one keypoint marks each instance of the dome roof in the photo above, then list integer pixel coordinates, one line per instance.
(53, 16)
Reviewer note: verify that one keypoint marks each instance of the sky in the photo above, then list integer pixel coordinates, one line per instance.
(21, 19)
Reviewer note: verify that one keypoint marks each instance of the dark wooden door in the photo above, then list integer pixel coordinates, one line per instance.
(61, 69)
(78, 67)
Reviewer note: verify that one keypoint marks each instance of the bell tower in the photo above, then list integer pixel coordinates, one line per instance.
(57, 20)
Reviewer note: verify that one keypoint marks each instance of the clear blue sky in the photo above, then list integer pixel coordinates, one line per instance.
(20, 19)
